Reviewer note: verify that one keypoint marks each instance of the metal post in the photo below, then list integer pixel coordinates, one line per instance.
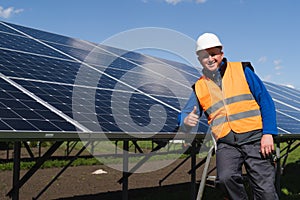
(125, 170)
(204, 174)
(193, 171)
(7, 151)
(63, 169)
(278, 169)
(33, 169)
(16, 171)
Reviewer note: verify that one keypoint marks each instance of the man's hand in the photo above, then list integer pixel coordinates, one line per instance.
(192, 119)
(266, 145)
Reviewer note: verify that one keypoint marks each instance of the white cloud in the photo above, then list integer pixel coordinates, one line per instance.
(277, 62)
(174, 2)
(200, 1)
(278, 65)
(8, 12)
(267, 77)
(262, 59)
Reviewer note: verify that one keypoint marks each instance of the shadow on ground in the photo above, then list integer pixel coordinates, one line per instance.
(175, 192)
(290, 181)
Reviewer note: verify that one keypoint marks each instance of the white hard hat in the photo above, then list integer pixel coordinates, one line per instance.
(207, 40)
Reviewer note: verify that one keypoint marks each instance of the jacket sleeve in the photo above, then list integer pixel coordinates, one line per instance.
(192, 101)
(264, 100)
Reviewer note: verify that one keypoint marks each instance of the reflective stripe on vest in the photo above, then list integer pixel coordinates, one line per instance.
(233, 107)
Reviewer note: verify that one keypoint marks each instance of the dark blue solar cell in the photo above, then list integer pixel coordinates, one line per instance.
(76, 53)
(45, 125)
(64, 125)
(104, 112)
(47, 114)
(43, 91)
(20, 125)
(284, 91)
(140, 105)
(157, 89)
(18, 110)
(28, 114)
(43, 35)
(4, 95)
(113, 50)
(136, 56)
(6, 29)
(39, 68)
(86, 54)
(12, 103)
(109, 127)
(4, 126)
(7, 113)
(287, 124)
(20, 43)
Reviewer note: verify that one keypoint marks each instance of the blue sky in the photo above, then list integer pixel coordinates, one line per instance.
(263, 32)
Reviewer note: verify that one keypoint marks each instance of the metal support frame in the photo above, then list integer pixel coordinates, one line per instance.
(193, 171)
(137, 147)
(278, 169)
(16, 174)
(202, 162)
(204, 173)
(179, 165)
(125, 170)
(70, 147)
(288, 150)
(139, 164)
(28, 149)
(19, 183)
(61, 171)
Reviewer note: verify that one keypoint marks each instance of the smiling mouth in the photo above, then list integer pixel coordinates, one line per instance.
(211, 64)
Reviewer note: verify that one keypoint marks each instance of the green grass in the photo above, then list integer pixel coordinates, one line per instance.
(295, 155)
(52, 164)
(290, 178)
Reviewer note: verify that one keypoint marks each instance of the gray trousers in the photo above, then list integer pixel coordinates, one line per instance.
(261, 172)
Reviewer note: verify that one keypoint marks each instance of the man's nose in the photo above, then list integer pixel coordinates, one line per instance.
(210, 57)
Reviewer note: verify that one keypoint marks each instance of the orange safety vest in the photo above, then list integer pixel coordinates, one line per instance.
(231, 108)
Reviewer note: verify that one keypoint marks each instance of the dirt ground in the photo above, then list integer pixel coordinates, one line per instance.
(79, 183)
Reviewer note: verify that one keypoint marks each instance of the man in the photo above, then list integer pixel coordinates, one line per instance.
(242, 119)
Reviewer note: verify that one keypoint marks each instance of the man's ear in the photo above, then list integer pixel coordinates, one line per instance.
(222, 54)
(199, 59)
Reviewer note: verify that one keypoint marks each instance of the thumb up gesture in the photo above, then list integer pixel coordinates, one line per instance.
(192, 118)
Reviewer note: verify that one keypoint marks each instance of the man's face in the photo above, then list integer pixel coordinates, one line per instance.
(211, 58)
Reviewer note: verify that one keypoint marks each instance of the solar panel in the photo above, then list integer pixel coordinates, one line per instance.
(19, 112)
(287, 101)
(53, 83)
